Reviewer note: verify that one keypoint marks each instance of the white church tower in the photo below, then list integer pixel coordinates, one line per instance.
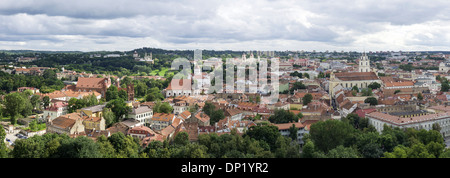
(364, 63)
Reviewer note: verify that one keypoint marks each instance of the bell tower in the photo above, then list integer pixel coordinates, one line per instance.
(364, 63)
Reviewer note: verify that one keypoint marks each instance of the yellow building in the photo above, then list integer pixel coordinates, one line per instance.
(97, 123)
(361, 79)
(92, 111)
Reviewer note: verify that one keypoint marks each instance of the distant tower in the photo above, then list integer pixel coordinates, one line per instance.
(130, 92)
(364, 63)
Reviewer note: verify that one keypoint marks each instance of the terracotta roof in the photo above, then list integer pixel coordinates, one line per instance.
(362, 112)
(407, 120)
(167, 131)
(57, 105)
(202, 117)
(355, 76)
(63, 122)
(232, 112)
(296, 112)
(206, 129)
(144, 129)
(140, 110)
(118, 127)
(441, 108)
(185, 115)
(398, 84)
(68, 93)
(91, 82)
(247, 104)
(286, 126)
(308, 123)
(179, 84)
(177, 121)
(93, 119)
(149, 104)
(163, 117)
(190, 128)
(66, 121)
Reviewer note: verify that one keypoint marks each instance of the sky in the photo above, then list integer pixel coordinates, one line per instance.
(123, 25)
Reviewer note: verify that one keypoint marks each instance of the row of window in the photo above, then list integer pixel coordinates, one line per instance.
(144, 115)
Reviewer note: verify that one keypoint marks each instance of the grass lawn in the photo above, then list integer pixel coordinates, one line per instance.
(158, 72)
(163, 71)
(154, 72)
(283, 87)
(5, 119)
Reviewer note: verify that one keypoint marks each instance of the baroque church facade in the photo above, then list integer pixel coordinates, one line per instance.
(361, 78)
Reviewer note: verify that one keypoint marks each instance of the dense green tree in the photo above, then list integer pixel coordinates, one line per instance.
(105, 147)
(119, 108)
(154, 94)
(293, 132)
(140, 89)
(420, 96)
(399, 152)
(209, 108)
(80, 147)
(343, 152)
(321, 75)
(112, 93)
(181, 139)
(216, 116)
(165, 108)
(156, 149)
(296, 86)
(445, 86)
(307, 99)
(109, 117)
(192, 150)
(329, 134)
(308, 150)
(374, 85)
(357, 122)
(35, 102)
(419, 151)
(283, 116)
(15, 104)
(435, 148)
(46, 101)
(123, 95)
(266, 133)
(3, 149)
(436, 127)
(445, 154)
(355, 88)
(371, 100)
(125, 146)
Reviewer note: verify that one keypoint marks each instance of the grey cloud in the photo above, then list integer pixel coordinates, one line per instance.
(338, 23)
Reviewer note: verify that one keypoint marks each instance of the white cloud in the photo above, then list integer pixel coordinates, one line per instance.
(238, 25)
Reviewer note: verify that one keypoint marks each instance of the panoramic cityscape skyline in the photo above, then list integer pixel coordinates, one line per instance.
(217, 25)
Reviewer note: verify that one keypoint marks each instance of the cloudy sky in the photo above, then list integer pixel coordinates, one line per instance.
(353, 25)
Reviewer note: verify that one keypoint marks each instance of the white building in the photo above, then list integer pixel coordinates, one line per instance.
(423, 121)
(180, 87)
(284, 130)
(364, 64)
(142, 114)
(179, 107)
(55, 110)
